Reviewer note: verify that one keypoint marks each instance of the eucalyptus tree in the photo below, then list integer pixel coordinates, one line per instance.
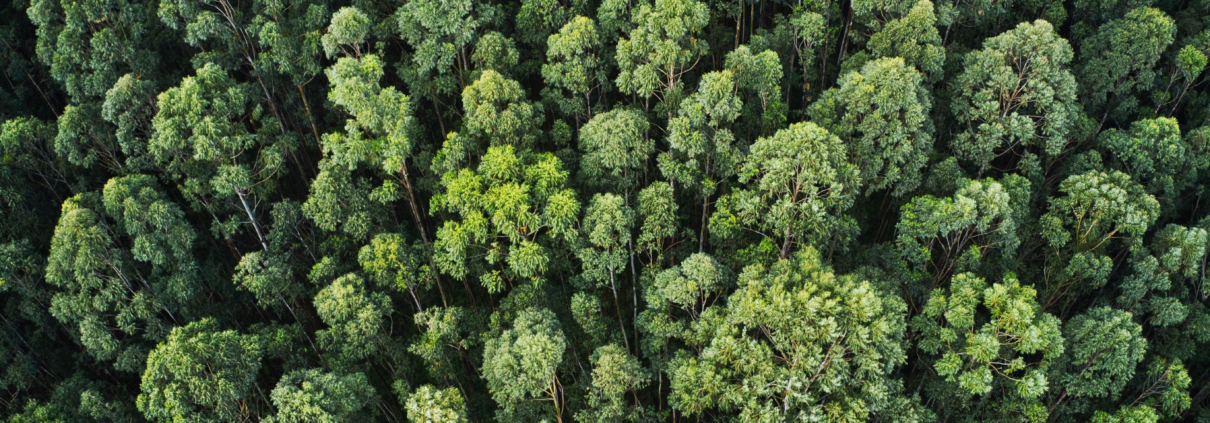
(615, 151)
(1097, 214)
(1153, 153)
(267, 37)
(882, 114)
(823, 347)
(942, 237)
(357, 321)
(312, 395)
(495, 113)
(797, 184)
(991, 338)
(1119, 61)
(439, 34)
(1015, 93)
(431, 405)
(758, 76)
(574, 68)
(521, 368)
(703, 151)
(1105, 346)
(510, 204)
(1166, 281)
(614, 373)
(509, 212)
(660, 48)
(124, 266)
(202, 373)
(914, 38)
(607, 228)
(225, 154)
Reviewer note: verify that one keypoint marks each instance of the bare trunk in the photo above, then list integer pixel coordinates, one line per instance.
(701, 242)
(618, 307)
(407, 184)
(252, 218)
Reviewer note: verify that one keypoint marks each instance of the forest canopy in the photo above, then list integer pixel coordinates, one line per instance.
(607, 211)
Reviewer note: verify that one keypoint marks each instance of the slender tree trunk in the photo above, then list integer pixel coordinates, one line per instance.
(416, 218)
(618, 307)
(307, 105)
(701, 242)
(252, 218)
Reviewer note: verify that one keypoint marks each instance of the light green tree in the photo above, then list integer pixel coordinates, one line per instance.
(1080, 229)
(356, 320)
(521, 365)
(882, 115)
(312, 395)
(794, 342)
(616, 150)
(703, 152)
(1016, 92)
(119, 260)
(662, 45)
(573, 68)
(1155, 155)
(797, 184)
(1009, 349)
(202, 139)
(607, 228)
(432, 405)
(508, 210)
(1104, 346)
(914, 38)
(941, 237)
(614, 373)
(201, 374)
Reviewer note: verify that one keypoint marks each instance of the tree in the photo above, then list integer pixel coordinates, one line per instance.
(496, 114)
(607, 226)
(941, 237)
(201, 373)
(703, 151)
(522, 364)
(346, 33)
(448, 337)
(882, 114)
(614, 373)
(431, 405)
(914, 38)
(615, 150)
(1079, 228)
(822, 347)
(1011, 348)
(206, 138)
(355, 318)
(439, 33)
(1104, 347)
(1153, 153)
(508, 209)
(797, 183)
(574, 69)
(759, 77)
(312, 395)
(119, 260)
(89, 46)
(661, 47)
(1003, 103)
(657, 209)
(379, 136)
(1120, 60)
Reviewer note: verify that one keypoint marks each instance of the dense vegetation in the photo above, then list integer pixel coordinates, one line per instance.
(604, 211)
